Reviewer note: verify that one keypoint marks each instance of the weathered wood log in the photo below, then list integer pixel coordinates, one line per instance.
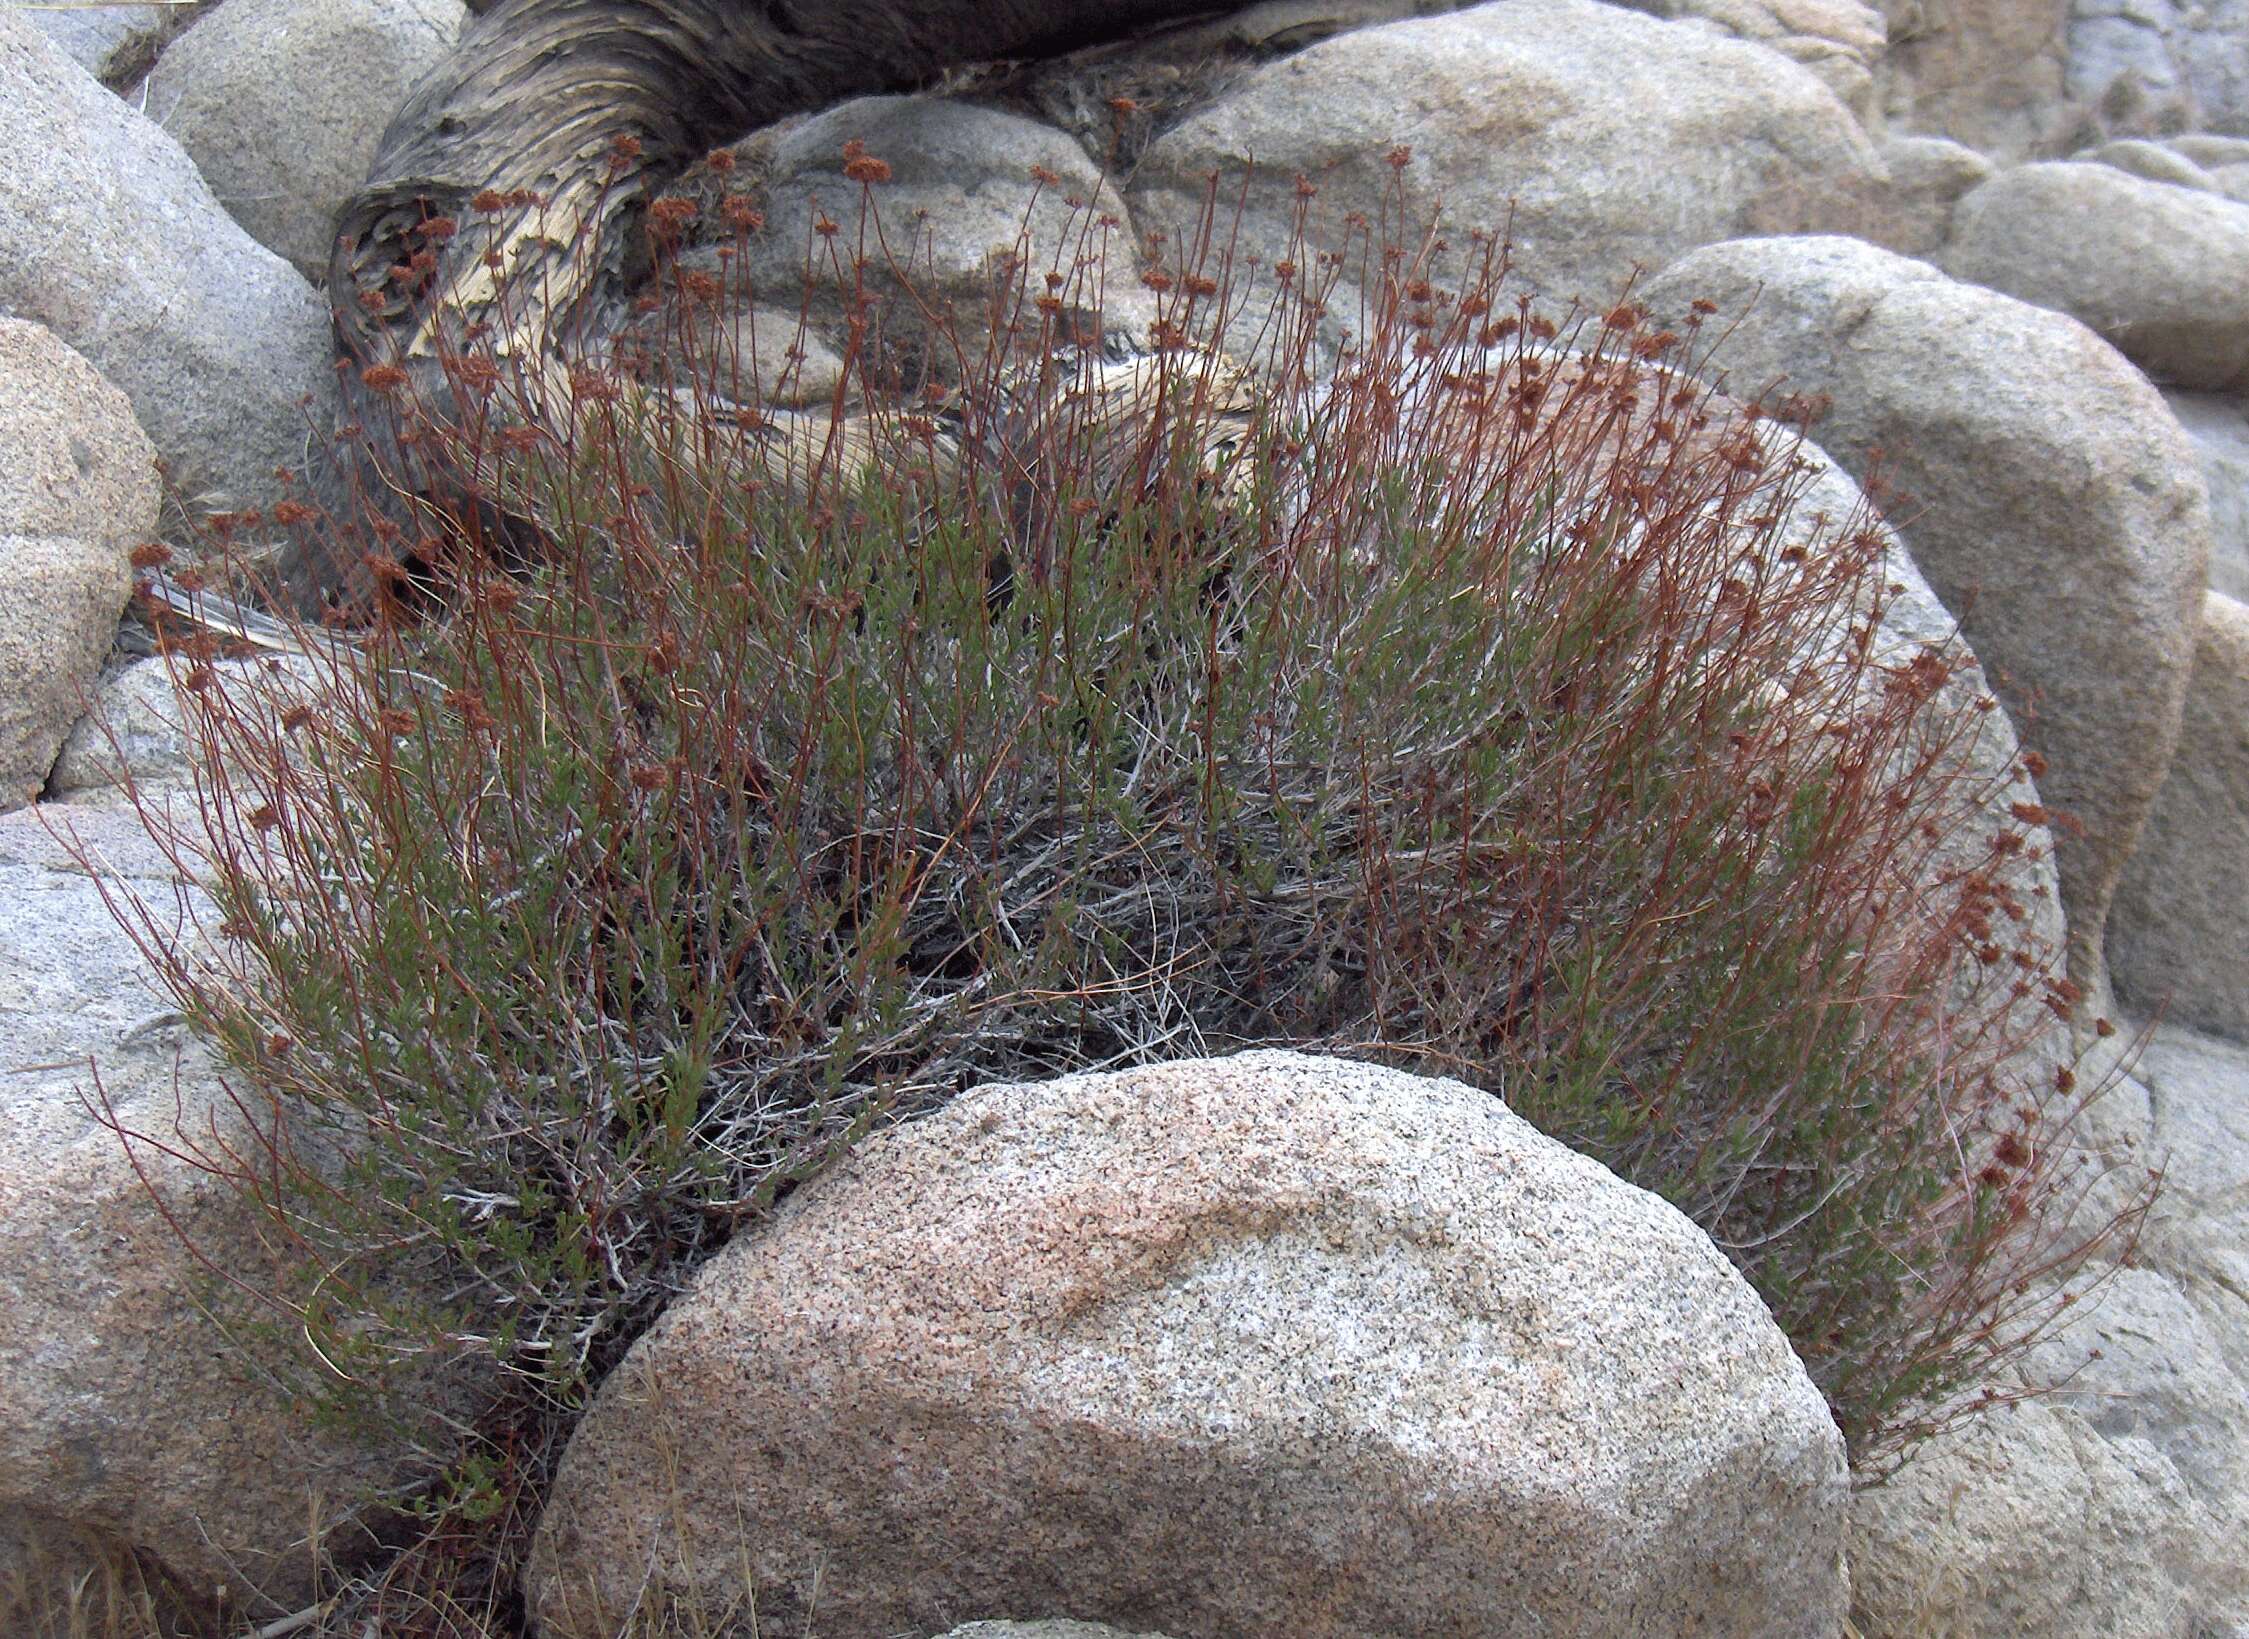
(531, 109)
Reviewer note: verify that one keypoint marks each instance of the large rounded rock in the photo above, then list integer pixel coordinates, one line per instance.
(2178, 937)
(2152, 267)
(77, 490)
(2054, 504)
(111, 240)
(280, 103)
(1605, 138)
(1270, 1345)
(1990, 782)
(2153, 161)
(1983, 774)
(135, 1405)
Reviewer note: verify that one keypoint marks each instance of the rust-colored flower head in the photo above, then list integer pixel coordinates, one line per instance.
(595, 386)
(477, 374)
(668, 218)
(861, 166)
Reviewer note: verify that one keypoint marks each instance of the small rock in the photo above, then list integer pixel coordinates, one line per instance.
(750, 354)
(961, 217)
(1928, 175)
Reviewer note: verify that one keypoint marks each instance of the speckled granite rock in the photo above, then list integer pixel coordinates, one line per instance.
(1262, 1346)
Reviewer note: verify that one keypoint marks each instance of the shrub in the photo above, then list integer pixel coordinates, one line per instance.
(1482, 704)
